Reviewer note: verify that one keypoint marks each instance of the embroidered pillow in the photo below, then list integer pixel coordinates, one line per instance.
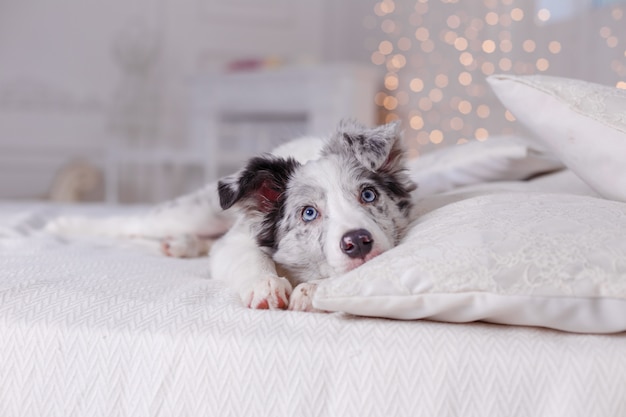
(536, 259)
(582, 123)
(503, 158)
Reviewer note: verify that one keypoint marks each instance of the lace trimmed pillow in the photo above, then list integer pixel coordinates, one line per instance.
(536, 259)
(584, 124)
(501, 158)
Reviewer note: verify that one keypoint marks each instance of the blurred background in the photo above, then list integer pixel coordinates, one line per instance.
(137, 101)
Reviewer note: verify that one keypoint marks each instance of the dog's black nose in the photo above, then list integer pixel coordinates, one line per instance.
(357, 243)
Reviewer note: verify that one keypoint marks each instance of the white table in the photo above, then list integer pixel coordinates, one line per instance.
(236, 115)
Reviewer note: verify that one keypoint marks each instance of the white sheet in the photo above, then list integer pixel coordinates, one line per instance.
(90, 328)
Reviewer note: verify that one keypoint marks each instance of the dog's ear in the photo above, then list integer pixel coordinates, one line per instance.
(379, 149)
(259, 186)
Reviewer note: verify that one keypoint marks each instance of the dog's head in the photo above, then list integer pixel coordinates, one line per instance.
(332, 214)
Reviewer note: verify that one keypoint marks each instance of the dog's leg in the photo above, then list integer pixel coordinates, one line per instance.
(302, 297)
(184, 227)
(237, 260)
(186, 246)
(198, 213)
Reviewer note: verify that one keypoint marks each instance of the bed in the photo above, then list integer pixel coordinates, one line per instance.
(98, 327)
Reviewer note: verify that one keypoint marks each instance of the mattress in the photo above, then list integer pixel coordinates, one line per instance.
(92, 327)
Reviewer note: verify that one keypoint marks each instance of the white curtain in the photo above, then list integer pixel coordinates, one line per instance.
(437, 54)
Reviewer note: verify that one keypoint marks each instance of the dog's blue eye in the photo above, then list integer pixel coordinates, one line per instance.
(309, 214)
(368, 195)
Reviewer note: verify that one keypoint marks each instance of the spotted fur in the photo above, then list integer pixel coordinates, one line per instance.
(354, 158)
(268, 247)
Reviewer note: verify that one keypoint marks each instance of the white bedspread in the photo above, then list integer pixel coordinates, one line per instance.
(89, 328)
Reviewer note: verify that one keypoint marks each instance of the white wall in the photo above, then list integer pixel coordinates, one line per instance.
(64, 91)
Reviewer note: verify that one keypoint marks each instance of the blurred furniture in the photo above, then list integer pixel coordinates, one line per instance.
(42, 129)
(124, 80)
(236, 115)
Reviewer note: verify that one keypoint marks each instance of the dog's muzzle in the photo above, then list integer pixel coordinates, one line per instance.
(357, 243)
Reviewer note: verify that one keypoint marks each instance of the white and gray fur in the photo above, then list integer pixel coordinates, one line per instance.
(269, 248)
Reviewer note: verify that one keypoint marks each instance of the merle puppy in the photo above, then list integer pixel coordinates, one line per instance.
(313, 209)
(302, 220)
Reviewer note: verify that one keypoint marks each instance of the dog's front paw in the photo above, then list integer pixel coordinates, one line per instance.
(268, 293)
(302, 298)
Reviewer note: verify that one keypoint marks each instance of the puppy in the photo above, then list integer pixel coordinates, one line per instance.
(302, 222)
(311, 210)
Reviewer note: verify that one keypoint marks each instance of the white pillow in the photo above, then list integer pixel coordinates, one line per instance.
(501, 158)
(536, 259)
(584, 124)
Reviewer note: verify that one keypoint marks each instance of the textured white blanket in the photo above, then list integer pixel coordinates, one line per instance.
(92, 328)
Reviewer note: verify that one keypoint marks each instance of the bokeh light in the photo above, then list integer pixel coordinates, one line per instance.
(436, 136)
(438, 53)
(543, 15)
(417, 85)
(517, 14)
(554, 47)
(385, 47)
